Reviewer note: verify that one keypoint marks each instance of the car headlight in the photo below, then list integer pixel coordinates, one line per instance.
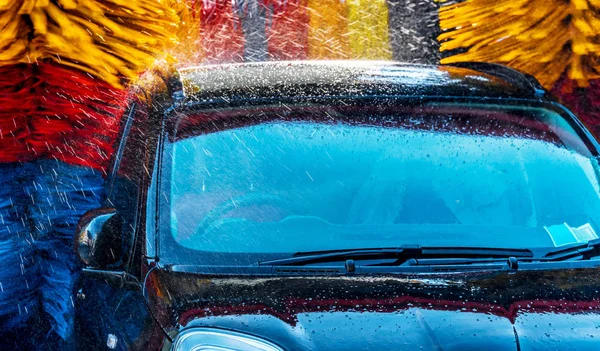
(212, 339)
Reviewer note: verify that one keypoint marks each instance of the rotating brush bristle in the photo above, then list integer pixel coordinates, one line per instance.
(114, 40)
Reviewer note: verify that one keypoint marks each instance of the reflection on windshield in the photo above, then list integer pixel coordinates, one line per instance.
(286, 186)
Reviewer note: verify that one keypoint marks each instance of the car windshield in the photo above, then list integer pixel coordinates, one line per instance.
(277, 180)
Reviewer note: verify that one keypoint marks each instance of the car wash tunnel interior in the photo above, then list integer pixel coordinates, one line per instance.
(71, 69)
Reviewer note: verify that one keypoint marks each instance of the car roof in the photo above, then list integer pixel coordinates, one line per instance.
(301, 79)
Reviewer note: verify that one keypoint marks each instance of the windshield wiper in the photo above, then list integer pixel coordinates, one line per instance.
(401, 254)
(583, 251)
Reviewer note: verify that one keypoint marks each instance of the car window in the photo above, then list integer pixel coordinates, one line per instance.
(126, 179)
(323, 179)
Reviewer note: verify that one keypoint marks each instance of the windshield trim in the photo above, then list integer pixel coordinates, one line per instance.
(338, 270)
(172, 115)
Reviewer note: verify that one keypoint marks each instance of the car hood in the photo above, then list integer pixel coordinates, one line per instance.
(543, 310)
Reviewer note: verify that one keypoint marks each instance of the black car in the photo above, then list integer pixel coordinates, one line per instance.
(345, 206)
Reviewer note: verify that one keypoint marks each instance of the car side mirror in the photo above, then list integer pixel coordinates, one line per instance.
(98, 241)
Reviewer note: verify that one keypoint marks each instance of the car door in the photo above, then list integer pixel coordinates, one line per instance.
(110, 308)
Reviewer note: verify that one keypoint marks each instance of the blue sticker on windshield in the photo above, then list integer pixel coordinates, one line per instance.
(563, 234)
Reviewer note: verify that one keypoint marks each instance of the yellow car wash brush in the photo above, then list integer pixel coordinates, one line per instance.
(110, 39)
(544, 38)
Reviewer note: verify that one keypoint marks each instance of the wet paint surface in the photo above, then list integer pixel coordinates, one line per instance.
(530, 310)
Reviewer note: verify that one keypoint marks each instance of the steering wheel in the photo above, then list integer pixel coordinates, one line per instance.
(235, 203)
